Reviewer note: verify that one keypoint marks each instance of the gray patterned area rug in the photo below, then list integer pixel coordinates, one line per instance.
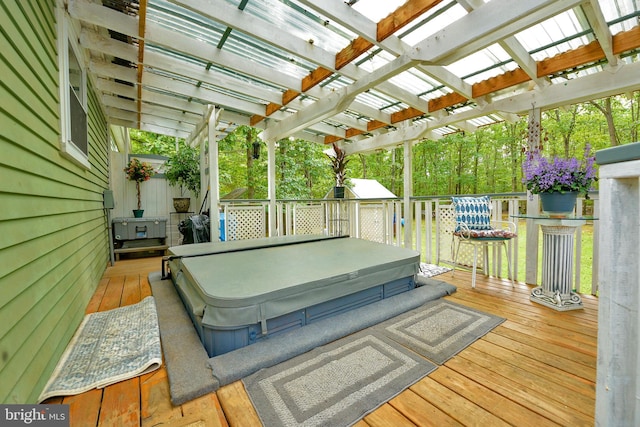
(339, 383)
(439, 329)
(336, 384)
(108, 347)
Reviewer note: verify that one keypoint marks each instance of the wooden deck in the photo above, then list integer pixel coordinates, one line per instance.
(536, 369)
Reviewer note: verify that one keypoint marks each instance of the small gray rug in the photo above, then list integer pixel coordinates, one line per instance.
(336, 384)
(430, 270)
(439, 329)
(108, 347)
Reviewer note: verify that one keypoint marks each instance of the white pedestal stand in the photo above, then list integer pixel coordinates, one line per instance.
(557, 264)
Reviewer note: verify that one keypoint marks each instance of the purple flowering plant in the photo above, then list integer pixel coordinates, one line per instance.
(559, 175)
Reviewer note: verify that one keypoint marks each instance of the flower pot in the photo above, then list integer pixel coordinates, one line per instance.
(181, 204)
(558, 204)
(137, 213)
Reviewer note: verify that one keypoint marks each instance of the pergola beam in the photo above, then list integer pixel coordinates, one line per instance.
(367, 30)
(226, 14)
(613, 82)
(512, 46)
(164, 113)
(335, 102)
(103, 16)
(99, 43)
(486, 30)
(174, 73)
(601, 29)
(150, 128)
(487, 25)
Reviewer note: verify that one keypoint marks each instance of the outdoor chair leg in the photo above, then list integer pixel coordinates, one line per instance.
(455, 259)
(475, 264)
(485, 263)
(506, 251)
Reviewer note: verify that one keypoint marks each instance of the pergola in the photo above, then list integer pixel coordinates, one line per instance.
(367, 74)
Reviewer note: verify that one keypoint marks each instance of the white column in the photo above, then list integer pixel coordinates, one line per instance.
(618, 370)
(271, 182)
(557, 258)
(408, 192)
(214, 183)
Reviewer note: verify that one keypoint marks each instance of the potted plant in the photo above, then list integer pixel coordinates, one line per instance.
(559, 181)
(183, 170)
(139, 172)
(338, 165)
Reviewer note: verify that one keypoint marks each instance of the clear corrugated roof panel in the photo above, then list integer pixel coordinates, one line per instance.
(554, 36)
(431, 22)
(413, 82)
(243, 45)
(302, 23)
(614, 10)
(482, 65)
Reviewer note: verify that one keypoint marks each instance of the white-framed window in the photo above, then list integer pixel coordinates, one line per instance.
(74, 140)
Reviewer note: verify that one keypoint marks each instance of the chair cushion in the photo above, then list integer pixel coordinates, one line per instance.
(496, 234)
(473, 211)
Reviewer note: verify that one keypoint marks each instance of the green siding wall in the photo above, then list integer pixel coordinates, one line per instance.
(53, 230)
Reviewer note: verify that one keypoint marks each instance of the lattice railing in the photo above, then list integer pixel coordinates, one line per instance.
(372, 222)
(447, 247)
(245, 222)
(309, 219)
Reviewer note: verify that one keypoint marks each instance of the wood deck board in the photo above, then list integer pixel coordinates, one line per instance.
(236, 405)
(113, 295)
(466, 412)
(543, 404)
(506, 409)
(420, 411)
(121, 404)
(499, 359)
(84, 408)
(545, 385)
(536, 369)
(131, 290)
(386, 416)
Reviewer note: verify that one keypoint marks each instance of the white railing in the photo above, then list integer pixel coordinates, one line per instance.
(429, 225)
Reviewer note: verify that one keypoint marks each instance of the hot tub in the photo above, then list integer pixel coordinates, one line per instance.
(240, 292)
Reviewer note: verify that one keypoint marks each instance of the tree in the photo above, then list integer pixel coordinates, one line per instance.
(143, 142)
(485, 161)
(604, 106)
